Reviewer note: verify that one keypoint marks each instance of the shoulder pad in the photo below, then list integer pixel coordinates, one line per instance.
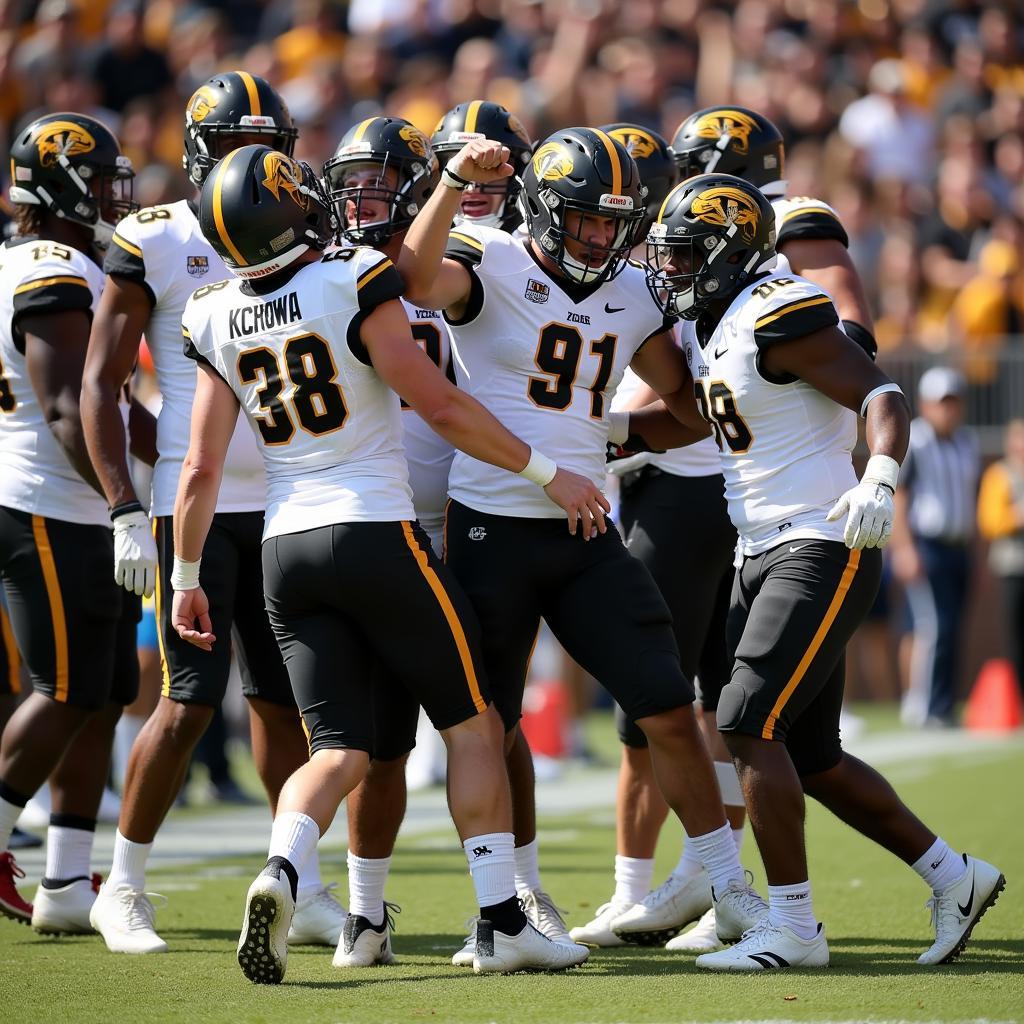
(807, 217)
(789, 307)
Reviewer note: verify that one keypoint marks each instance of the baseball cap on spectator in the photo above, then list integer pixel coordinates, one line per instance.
(940, 382)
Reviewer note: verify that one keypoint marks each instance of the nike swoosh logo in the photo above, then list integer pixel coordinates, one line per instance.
(793, 550)
(966, 911)
(721, 350)
(613, 309)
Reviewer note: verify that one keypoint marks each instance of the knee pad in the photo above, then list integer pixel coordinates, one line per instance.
(731, 704)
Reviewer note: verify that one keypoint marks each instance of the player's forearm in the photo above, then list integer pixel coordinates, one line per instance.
(888, 426)
(65, 422)
(194, 506)
(464, 422)
(660, 428)
(425, 242)
(103, 428)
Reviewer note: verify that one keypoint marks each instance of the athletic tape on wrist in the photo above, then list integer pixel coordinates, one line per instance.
(540, 470)
(883, 469)
(618, 431)
(880, 390)
(452, 180)
(185, 575)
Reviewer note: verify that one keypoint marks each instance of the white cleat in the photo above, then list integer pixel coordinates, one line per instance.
(956, 910)
(364, 944)
(319, 918)
(769, 947)
(701, 938)
(65, 911)
(498, 953)
(738, 909)
(126, 919)
(263, 944)
(665, 911)
(542, 913)
(464, 957)
(599, 931)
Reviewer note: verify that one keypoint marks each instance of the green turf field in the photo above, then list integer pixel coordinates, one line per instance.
(873, 908)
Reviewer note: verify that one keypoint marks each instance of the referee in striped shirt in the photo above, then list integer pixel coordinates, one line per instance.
(932, 535)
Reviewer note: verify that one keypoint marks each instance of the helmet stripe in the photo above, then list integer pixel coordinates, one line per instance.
(613, 155)
(471, 115)
(254, 94)
(671, 193)
(361, 130)
(218, 212)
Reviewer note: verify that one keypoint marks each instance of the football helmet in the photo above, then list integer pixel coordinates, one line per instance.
(586, 171)
(233, 103)
(261, 210)
(731, 140)
(481, 119)
(713, 232)
(72, 164)
(655, 161)
(381, 143)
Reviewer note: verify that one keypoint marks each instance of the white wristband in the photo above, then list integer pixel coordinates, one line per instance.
(452, 180)
(540, 470)
(881, 469)
(880, 390)
(618, 430)
(185, 575)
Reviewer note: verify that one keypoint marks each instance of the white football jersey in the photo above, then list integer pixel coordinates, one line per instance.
(545, 357)
(35, 474)
(162, 249)
(428, 454)
(330, 430)
(785, 448)
(806, 217)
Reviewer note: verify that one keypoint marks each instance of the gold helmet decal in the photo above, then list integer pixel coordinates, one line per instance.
(724, 205)
(515, 126)
(733, 123)
(418, 142)
(62, 138)
(281, 172)
(204, 99)
(637, 143)
(551, 162)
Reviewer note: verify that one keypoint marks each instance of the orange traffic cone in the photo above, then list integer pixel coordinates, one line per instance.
(995, 702)
(545, 715)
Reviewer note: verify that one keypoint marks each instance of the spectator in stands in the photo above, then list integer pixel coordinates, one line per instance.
(1001, 521)
(932, 533)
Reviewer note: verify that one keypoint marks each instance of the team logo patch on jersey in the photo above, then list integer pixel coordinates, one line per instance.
(283, 173)
(537, 291)
(197, 265)
(638, 144)
(724, 206)
(204, 99)
(727, 122)
(552, 161)
(62, 138)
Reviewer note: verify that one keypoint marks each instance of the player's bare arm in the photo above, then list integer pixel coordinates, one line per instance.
(827, 263)
(463, 421)
(431, 280)
(55, 345)
(214, 414)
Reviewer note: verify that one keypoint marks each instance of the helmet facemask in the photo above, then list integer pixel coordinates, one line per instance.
(212, 142)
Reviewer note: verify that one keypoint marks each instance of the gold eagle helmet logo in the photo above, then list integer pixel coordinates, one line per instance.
(637, 143)
(552, 161)
(204, 99)
(62, 138)
(724, 205)
(418, 142)
(281, 172)
(733, 123)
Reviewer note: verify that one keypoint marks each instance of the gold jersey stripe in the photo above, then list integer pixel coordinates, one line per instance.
(372, 273)
(472, 242)
(45, 282)
(809, 209)
(791, 308)
(127, 246)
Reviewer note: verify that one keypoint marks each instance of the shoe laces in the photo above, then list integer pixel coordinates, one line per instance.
(326, 896)
(538, 903)
(941, 911)
(8, 862)
(762, 932)
(746, 897)
(663, 890)
(390, 909)
(141, 911)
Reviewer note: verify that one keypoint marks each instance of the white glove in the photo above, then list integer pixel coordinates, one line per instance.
(135, 558)
(870, 505)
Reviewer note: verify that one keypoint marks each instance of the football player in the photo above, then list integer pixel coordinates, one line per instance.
(544, 328)
(157, 258)
(74, 627)
(311, 346)
(780, 384)
(733, 140)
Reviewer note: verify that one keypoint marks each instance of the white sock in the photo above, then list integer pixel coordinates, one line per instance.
(68, 851)
(717, 853)
(527, 860)
(737, 838)
(309, 874)
(129, 864)
(125, 734)
(791, 905)
(293, 836)
(492, 867)
(940, 866)
(690, 864)
(366, 880)
(9, 815)
(632, 879)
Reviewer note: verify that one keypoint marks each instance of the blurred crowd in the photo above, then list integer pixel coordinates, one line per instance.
(906, 115)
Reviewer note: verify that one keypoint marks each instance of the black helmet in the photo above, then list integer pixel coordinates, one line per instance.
(655, 160)
(587, 171)
(233, 103)
(261, 210)
(481, 119)
(730, 140)
(712, 233)
(381, 142)
(56, 158)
